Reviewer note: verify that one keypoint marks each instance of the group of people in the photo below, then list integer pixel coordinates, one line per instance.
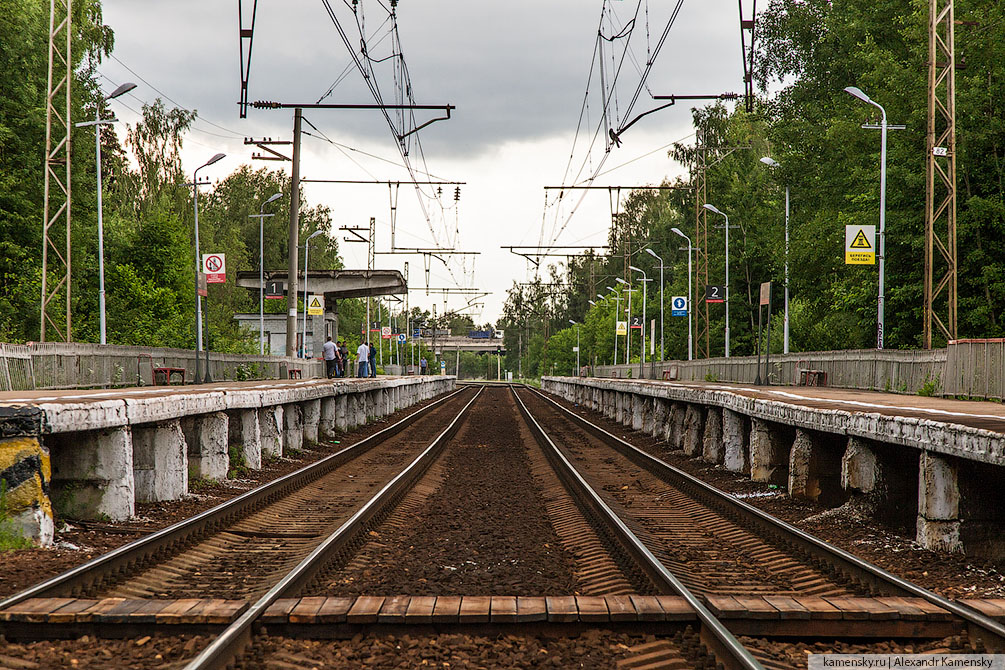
(338, 363)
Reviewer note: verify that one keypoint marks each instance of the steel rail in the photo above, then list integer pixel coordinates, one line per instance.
(716, 636)
(84, 576)
(979, 625)
(231, 643)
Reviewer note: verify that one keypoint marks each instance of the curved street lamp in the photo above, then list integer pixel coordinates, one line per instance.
(856, 92)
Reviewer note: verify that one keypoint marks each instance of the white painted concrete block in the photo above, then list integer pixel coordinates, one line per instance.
(245, 432)
(712, 448)
(160, 461)
(311, 412)
(736, 457)
(208, 437)
(270, 422)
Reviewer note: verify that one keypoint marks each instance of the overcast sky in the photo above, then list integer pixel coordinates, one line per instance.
(516, 72)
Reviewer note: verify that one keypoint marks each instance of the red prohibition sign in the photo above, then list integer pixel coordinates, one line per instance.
(213, 263)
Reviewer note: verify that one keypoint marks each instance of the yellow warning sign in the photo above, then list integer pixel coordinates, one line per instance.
(622, 328)
(316, 305)
(860, 245)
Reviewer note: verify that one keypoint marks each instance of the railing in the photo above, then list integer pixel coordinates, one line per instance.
(870, 369)
(975, 369)
(55, 365)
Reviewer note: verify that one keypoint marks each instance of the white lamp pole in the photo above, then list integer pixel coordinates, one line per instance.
(712, 208)
(97, 123)
(645, 279)
(690, 343)
(653, 254)
(628, 334)
(880, 312)
(577, 344)
(303, 340)
(198, 264)
(771, 162)
(617, 315)
(261, 216)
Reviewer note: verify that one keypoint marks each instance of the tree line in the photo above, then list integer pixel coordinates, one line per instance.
(809, 51)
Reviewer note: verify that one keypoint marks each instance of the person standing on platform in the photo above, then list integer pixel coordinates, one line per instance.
(330, 354)
(373, 360)
(422, 365)
(344, 356)
(363, 355)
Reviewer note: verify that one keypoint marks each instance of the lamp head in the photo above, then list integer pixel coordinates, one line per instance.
(214, 159)
(121, 90)
(858, 93)
(592, 303)
(313, 235)
(632, 267)
(611, 289)
(602, 297)
(273, 197)
(712, 208)
(652, 253)
(770, 162)
(573, 322)
(621, 281)
(677, 230)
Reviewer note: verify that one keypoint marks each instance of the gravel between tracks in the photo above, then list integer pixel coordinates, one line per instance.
(592, 649)
(484, 530)
(79, 542)
(893, 549)
(164, 653)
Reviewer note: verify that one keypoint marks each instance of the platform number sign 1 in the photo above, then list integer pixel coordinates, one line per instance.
(215, 267)
(715, 293)
(678, 305)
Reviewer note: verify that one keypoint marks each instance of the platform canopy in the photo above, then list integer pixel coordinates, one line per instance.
(335, 284)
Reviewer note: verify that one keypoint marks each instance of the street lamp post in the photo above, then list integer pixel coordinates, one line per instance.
(653, 254)
(261, 216)
(198, 264)
(642, 359)
(771, 162)
(306, 243)
(712, 208)
(880, 312)
(690, 344)
(628, 334)
(617, 315)
(97, 123)
(577, 345)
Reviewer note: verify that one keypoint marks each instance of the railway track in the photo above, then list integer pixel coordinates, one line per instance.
(680, 512)
(626, 524)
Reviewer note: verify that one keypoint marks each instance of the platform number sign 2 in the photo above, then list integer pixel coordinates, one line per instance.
(715, 293)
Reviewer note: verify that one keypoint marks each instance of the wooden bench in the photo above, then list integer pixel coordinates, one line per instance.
(812, 378)
(163, 376)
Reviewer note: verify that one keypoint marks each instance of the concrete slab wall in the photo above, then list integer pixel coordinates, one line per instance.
(827, 455)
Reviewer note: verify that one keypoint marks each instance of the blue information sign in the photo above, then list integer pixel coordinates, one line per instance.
(678, 306)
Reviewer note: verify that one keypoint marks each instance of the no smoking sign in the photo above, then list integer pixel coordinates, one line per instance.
(215, 267)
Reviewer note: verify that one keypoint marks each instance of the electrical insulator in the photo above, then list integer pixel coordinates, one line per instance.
(439, 191)
(457, 193)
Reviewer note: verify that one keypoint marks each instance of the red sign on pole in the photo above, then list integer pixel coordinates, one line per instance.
(215, 267)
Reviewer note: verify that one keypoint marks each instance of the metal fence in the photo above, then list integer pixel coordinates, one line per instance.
(871, 369)
(55, 365)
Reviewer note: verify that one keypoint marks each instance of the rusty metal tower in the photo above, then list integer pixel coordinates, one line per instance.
(56, 257)
(698, 304)
(940, 192)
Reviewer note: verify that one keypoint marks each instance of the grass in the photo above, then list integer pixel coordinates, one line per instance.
(238, 468)
(11, 536)
(930, 387)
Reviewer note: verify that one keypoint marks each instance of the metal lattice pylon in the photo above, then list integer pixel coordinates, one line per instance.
(940, 193)
(700, 307)
(56, 258)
